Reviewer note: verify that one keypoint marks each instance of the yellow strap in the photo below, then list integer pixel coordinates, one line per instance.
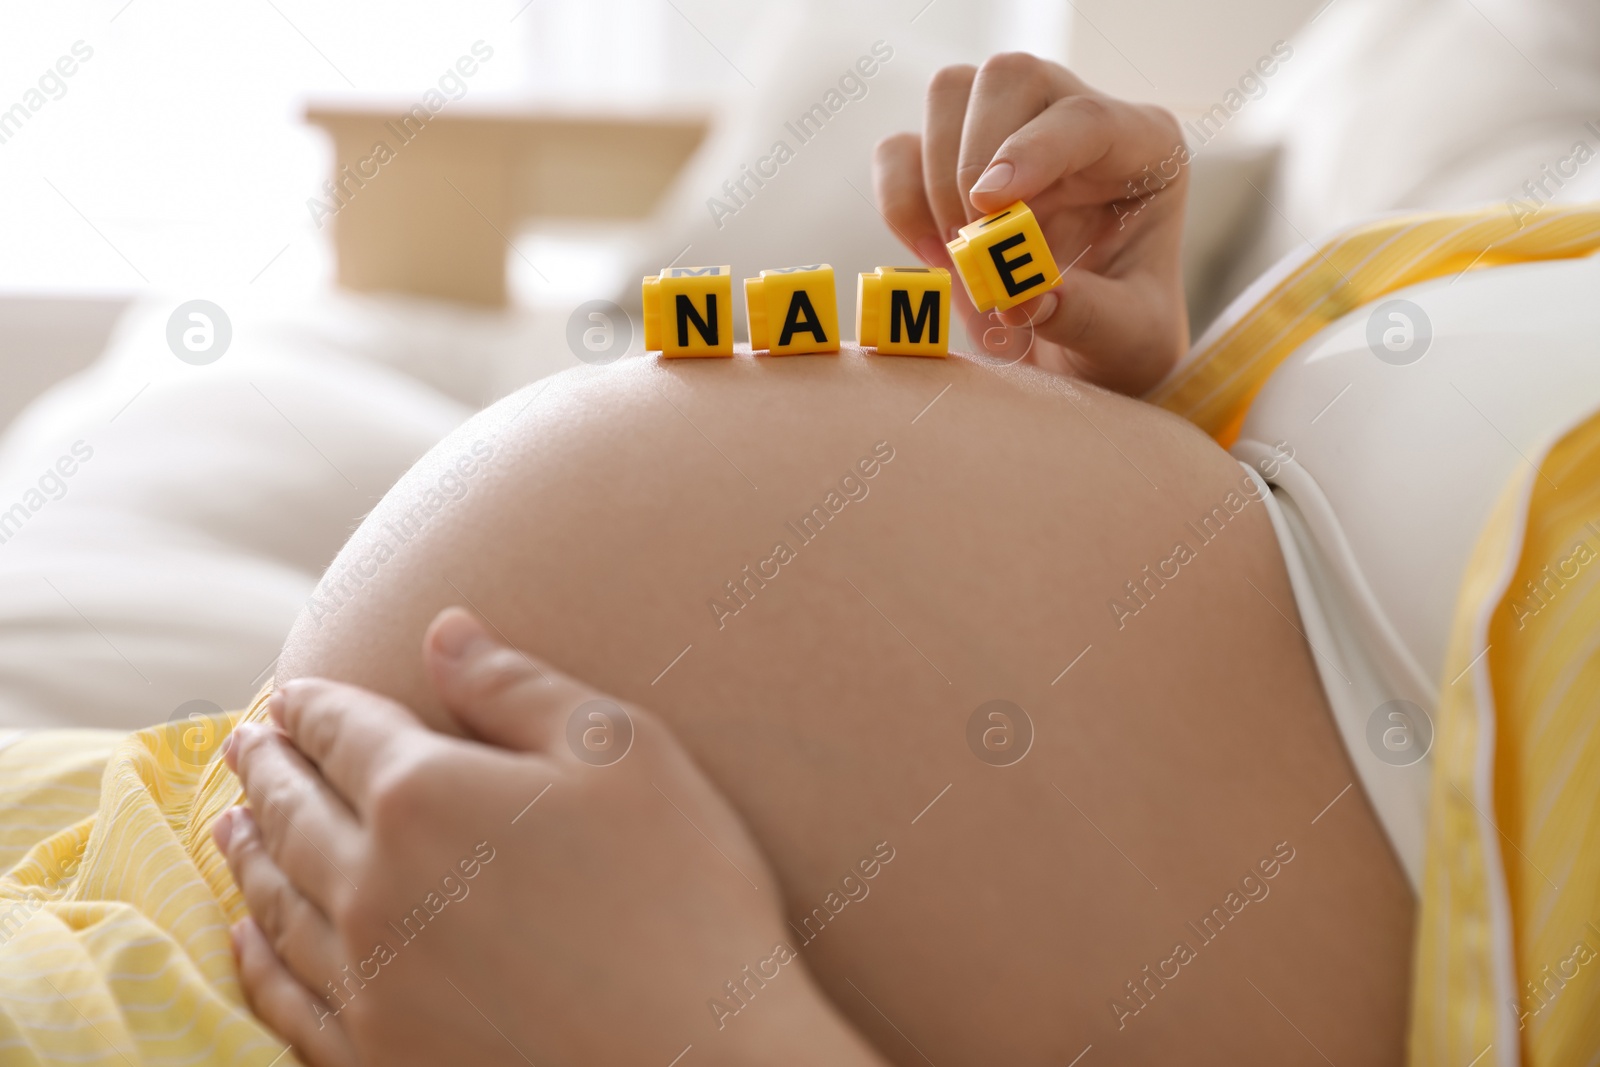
(1213, 388)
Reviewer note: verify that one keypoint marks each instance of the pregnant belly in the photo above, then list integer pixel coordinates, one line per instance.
(875, 599)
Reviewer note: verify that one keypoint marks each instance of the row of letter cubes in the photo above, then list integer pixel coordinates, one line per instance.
(901, 311)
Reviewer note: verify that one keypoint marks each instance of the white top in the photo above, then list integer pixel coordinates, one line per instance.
(1397, 462)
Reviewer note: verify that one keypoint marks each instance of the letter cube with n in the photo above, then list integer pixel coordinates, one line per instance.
(1003, 259)
(793, 310)
(688, 311)
(904, 311)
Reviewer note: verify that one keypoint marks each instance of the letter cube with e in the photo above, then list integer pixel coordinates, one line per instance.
(688, 311)
(793, 310)
(904, 311)
(1003, 259)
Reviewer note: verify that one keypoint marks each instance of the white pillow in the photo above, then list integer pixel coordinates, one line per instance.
(1427, 104)
(174, 518)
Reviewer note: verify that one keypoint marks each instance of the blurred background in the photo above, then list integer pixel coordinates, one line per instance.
(395, 213)
(178, 157)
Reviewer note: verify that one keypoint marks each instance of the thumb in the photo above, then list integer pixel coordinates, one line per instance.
(497, 693)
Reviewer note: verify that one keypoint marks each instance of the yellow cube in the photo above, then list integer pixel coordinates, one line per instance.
(793, 310)
(1003, 259)
(904, 311)
(688, 311)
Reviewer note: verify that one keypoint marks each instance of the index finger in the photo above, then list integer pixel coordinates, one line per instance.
(347, 731)
(1109, 143)
(1010, 90)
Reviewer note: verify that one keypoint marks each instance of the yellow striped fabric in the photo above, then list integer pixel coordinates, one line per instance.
(1463, 962)
(1215, 384)
(1544, 652)
(1515, 810)
(115, 905)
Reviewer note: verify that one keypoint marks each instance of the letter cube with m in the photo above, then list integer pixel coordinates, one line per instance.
(793, 310)
(688, 311)
(1003, 259)
(904, 311)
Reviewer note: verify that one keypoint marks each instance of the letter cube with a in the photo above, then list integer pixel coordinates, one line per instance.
(793, 310)
(1003, 259)
(688, 311)
(904, 311)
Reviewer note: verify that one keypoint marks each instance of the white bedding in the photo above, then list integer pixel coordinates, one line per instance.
(204, 501)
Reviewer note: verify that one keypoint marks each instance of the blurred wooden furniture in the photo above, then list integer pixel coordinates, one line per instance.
(429, 204)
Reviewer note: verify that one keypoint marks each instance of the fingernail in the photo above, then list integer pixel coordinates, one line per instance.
(236, 935)
(932, 250)
(997, 177)
(458, 635)
(1047, 307)
(275, 706)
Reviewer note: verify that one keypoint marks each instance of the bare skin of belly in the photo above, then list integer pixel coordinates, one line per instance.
(1174, 751)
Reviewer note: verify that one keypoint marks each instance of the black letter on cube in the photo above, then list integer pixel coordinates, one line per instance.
(927, 316)
(802, 318)
(1008, 267)
(706, 327)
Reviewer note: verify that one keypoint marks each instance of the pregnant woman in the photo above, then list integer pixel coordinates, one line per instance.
(831, 711)
(866, 710)
(816, 574)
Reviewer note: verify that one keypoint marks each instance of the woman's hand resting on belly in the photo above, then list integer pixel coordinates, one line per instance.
(418, 898)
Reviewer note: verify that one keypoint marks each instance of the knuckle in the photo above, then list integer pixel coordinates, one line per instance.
(1166, 130)
(314, 713)
(968, 170)
(283, 938)
(900, 209)
(245, 849)
(1094, 108)
(496, 673)
(321, 732)
(271, 914)
(278, 802)
(1013, 67)
(1166, 122)
(896, 147)
(399, 794)
(295, 693)
(956, 78)
(247, 745)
